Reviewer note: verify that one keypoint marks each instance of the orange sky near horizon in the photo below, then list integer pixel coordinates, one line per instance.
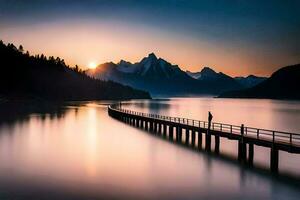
(82, 42)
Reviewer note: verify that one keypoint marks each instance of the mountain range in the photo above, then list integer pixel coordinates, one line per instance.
(160, 77)
(23, 75)
(283, 84)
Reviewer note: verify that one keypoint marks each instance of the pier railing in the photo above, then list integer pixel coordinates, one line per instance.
(274, 136)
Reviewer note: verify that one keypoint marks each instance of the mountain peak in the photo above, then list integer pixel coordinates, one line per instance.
(208, 70)
(152, 56)
(150, 59)
(253, 76)
(250, 80)
(124, 63)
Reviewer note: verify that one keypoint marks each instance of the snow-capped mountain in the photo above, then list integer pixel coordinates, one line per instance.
(160, 77)
(149, 66)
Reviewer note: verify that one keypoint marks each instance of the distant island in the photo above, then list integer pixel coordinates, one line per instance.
(160, 77)
(283, 84)
(24, 76)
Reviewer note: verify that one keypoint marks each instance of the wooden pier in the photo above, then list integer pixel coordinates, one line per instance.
(195, 130)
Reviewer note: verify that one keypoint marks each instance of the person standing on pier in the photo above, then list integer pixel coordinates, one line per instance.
(208, 136)
(210, 117)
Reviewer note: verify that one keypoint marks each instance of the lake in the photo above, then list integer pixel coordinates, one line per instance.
(76, 151)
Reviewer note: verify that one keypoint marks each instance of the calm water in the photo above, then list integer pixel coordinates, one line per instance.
(79, 152)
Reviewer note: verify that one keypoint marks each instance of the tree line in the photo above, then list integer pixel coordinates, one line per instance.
(25, 75)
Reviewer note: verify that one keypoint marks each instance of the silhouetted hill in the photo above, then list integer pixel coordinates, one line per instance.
(25, 76)
(283, 84)
(160, 77)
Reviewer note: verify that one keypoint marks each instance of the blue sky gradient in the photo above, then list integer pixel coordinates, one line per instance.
(269, 28)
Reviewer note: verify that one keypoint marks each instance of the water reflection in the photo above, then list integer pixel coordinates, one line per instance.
(151, 105)
(269, 114)
(21, 111)
(82, 153)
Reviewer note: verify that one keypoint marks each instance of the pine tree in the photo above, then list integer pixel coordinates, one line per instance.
(21, 49)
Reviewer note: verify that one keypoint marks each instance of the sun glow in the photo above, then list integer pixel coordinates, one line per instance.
(92, 65)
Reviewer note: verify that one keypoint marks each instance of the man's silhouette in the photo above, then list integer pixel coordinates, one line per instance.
(210, 117)
(208, 136)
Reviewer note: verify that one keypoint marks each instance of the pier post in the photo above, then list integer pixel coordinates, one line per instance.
(217, 144)
(187, 136)
(159, 128)
(242, 148)
(199, 139)
(146, 125)
(250, 154)
(141, 124)
(164, 129)
(193, 137)
(208, 140)
(241, 151)
(171, 132)
(179, 134)
(274, 159)
(151, 126)
(155, 127)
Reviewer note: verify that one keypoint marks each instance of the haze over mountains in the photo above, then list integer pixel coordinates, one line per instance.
(50, 78)
(249, 81)
(208, 74)
(160, 77)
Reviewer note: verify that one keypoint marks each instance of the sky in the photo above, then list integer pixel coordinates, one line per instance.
(237, 37)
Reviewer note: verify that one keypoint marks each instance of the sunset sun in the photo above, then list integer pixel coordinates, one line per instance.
(92, 65)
